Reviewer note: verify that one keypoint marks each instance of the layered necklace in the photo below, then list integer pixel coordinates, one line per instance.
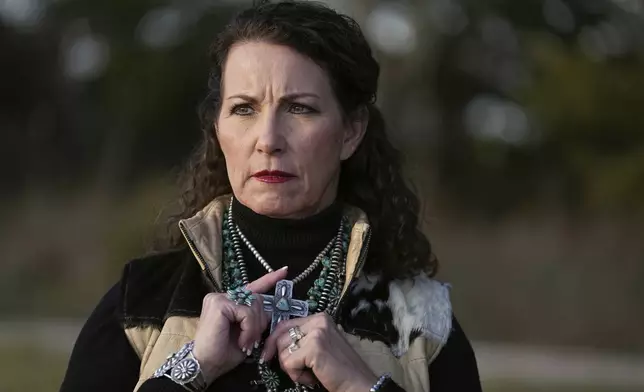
(322, 296)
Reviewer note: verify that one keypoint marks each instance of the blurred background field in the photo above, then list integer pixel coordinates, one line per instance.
(521, 123)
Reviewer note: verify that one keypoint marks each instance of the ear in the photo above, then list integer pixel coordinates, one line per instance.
(354, 132)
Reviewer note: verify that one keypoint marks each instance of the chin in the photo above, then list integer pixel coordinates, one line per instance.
(274, 205)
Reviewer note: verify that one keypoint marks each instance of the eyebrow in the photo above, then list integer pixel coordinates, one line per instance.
(287, 97)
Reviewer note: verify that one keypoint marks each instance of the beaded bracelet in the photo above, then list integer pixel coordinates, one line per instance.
(381, 381)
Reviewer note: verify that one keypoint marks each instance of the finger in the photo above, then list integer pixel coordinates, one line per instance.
(295, 364)
(304, 323)
(257, 323)
(280, 335)
(267, 281)
(249, 320)
(319, 321)
(264, 319)
(260, 322)
(284, 340)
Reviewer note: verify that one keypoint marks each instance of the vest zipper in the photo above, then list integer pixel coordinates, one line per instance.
(361, 260)
(202, 263)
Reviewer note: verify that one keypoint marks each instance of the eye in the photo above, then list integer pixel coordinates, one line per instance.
(297, 108)
(242, 109)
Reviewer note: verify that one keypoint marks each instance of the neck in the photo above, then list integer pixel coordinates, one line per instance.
(269, 234)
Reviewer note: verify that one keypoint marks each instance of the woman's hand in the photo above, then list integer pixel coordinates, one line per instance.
(323, 355)
(227, 332)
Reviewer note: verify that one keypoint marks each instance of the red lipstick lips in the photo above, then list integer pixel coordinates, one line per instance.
(273, 176)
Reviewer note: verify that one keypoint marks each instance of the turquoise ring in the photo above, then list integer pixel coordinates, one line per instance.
(241, 296)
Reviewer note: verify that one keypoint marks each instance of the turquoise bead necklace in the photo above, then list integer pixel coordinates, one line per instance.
(322, 296)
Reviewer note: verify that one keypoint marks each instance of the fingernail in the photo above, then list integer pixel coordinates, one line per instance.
(244, 349)
(257, 344)
(261, 359)
(250, 351)
(283, 268)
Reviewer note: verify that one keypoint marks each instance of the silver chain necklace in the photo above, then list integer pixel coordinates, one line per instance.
(306, 272)
(328, 302)
(264, 263)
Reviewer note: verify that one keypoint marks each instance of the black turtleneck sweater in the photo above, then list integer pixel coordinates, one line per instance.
(103, 360)
(282, 242)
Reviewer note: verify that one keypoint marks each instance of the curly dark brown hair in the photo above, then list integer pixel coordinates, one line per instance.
(371, 179)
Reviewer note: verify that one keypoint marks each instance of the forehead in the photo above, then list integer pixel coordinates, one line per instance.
(255, 67)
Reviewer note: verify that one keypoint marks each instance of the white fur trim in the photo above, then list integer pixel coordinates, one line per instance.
(380, 304)
(420, 304)
(362, 305)
(365, 282)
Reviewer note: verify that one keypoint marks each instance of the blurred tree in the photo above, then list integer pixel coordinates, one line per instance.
(506, 86)
(592, 125)
(508, 103)
(500, 106)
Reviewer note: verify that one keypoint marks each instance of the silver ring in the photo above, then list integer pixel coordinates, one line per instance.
(293, 347)
(241, 296)
(295, 333)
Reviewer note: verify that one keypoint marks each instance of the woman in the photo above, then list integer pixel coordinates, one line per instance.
(296, 178)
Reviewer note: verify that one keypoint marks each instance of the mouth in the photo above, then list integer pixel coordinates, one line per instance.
(273, 176)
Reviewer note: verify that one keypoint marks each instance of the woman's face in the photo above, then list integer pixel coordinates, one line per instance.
(282, 131)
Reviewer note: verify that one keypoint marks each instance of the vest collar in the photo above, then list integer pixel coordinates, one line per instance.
(203, 235)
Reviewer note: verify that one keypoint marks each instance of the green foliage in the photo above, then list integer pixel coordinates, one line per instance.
(592, 122)
(30, 368)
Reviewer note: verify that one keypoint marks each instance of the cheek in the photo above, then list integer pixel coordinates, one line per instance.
(320, 153)
(235, 161)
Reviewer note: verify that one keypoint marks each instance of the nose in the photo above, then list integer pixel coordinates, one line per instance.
(270, 139)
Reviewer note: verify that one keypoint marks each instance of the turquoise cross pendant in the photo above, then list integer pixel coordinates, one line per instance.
(283, 305)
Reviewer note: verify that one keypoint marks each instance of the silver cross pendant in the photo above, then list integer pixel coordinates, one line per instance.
(283, 305)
